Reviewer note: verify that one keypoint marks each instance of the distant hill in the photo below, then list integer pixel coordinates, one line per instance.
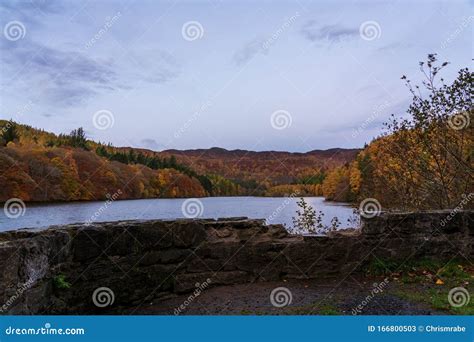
(42, 166)
(271, 167)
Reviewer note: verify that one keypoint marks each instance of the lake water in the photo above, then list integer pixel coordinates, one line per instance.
(273, 209)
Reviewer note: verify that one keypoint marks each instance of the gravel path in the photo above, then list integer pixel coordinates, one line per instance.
(307, 297)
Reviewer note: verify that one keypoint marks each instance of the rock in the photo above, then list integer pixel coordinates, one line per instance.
(167, 256)
(89, 243)
(189, 282)
(188, 234)
(143, 261)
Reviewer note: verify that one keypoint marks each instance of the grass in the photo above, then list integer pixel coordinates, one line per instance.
(418, 270)
(382, 267)
(59, 282)
(328, 310)
(428, 282)
(455, 271)
(324, 309)
(407, 279)
(424, 282)
(437, 299)
(310, 309)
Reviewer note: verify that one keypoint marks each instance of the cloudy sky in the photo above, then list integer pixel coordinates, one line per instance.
(258, 75)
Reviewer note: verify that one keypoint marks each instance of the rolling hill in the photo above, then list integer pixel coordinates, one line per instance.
(41, 166)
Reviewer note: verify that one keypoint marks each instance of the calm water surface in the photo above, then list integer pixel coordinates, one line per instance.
(273, 209)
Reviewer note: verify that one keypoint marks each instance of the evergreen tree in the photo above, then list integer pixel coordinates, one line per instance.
(77, 138)
(9, 133)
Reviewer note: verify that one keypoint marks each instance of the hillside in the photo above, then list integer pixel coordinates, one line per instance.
(267, 171)
(40, 166)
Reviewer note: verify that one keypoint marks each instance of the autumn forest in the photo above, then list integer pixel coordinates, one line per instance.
(423, 160)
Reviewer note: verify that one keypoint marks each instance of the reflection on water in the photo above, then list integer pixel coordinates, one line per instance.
(273, 209)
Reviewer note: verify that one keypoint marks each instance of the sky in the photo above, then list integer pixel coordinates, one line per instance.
(256, 75)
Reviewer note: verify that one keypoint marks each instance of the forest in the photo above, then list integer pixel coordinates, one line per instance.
(40, 166)
(421, 161)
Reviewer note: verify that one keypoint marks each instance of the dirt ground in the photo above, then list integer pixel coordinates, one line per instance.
(308, 297)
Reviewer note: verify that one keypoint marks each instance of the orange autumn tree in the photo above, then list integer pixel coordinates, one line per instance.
(336, 185)
(424, 161)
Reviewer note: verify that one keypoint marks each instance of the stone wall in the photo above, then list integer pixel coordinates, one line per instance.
(57, 270)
